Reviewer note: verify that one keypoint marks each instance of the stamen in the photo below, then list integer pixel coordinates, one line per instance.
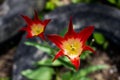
(72, 47)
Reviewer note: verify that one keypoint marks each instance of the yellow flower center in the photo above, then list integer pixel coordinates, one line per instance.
(72, 47)
(37, 29)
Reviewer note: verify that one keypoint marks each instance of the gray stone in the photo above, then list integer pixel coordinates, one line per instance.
(25, 57)
(10, 19)
(105, 19)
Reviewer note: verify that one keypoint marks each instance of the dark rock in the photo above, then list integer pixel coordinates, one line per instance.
(10, 11)
(25, 57)
(105, 19)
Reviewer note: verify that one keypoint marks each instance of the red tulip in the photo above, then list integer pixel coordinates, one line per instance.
(72, 44)
(35, 27)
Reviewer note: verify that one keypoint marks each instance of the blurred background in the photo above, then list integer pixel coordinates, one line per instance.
(16, 57)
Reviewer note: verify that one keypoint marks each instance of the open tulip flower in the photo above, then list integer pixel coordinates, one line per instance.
(72, 44)
(35, 27)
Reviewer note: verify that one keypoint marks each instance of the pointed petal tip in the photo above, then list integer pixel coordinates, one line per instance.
(59, 54)
(35, 11)
(29, 36)
(89, 48)
(70, 29)
(23, 16)
(91, 27)
(46, 21)
(41, 35)
(76, 62)
(70, 17)
(22, 29)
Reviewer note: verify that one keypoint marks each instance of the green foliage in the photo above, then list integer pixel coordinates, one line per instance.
(112, 1)
(67, 64)
(80, 1)
(115, 2)
(48, 62)
(42, 73)
(84, 55)
(50, 5)
(5, 78)
(100, 39)
(50, 52)
(105, 45)
(62, 33)
(45, 70)
(84, 72)
(66, 75)
(42, 47)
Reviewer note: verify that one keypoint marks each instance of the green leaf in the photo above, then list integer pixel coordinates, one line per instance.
(99, 38)
(84, 78)
(50, 50)
(67, 64)
(62, 33)
(44, 48)
(5, 78)
(85, 54)
(105, 45)
(84, 72)
(112, 1)
(48, 62)
(66, 75)
(43, 73)
(75, 1)
(50, 6)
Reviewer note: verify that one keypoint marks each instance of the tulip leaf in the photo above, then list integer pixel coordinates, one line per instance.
(99, 38)
(105, 45)
(84, 78)
(112, 1)
(85, 54)
(50, 5)
(5, 78)
(66, 75)
(44, 48)
(67, 64)
(42, 73)
(62, 33)
(49, 50)
(84, 72)
(48, 62)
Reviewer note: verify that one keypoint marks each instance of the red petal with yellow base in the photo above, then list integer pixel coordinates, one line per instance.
(35, 27)
(72, 44)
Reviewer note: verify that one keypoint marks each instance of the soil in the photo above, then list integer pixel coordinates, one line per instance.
(6, 62)
(110, 57)
(110, 73)
(7, 52)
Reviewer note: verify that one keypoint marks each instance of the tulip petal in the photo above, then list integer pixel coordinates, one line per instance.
(36, 15)
(29, 35)
(56, 39)
(76, 62)
(27, 19)
(88, 48)
(45, 22)
(41, 35)
(23, 29)
(70, 32)
(70, 29)
(85, 33)
(59, 54)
